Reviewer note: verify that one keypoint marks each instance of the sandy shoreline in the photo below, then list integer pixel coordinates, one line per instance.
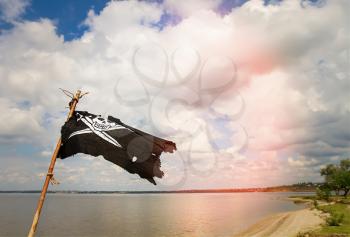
(285, 224)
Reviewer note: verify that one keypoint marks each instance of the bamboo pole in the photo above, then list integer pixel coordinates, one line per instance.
(49, 174)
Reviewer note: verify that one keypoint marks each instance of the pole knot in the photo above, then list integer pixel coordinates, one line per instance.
(54, 181)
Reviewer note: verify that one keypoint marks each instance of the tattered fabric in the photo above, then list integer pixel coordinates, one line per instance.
(133, 150)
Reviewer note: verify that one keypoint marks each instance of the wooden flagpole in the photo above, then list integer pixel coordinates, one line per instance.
(49, 174)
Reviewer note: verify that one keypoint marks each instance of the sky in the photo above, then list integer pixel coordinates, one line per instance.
(254, 93)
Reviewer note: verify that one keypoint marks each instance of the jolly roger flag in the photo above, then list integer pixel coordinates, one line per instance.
(133, 150)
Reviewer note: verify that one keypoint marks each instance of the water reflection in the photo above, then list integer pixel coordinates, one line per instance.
(139, 214)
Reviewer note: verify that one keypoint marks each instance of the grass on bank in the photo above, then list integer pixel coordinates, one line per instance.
(338, 221)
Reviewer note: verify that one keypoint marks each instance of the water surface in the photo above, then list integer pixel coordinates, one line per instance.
(136, 215)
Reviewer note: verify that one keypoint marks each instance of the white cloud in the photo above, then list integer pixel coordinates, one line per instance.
(186, 8)
(13, 9)
(122, 16)
(302, 162)
(292, 74)
(19, 125)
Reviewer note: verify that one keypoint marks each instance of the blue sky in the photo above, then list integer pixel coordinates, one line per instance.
(69, 16)
(293, 115)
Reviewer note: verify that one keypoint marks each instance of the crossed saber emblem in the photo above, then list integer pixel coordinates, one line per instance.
(99, 129)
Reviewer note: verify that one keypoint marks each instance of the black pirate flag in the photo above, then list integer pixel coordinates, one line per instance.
(130, 148)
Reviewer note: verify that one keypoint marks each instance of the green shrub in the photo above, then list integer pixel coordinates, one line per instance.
(335, 219)
(305, 234)
(323, 193)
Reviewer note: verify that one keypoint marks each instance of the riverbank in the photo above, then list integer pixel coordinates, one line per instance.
(322, 218)
(285, 224)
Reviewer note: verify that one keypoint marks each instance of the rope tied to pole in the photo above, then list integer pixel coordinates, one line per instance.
(54, 181)
(67, 93)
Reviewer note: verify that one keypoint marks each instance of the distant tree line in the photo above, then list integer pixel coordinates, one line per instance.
(307, 184)
(336, 179)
